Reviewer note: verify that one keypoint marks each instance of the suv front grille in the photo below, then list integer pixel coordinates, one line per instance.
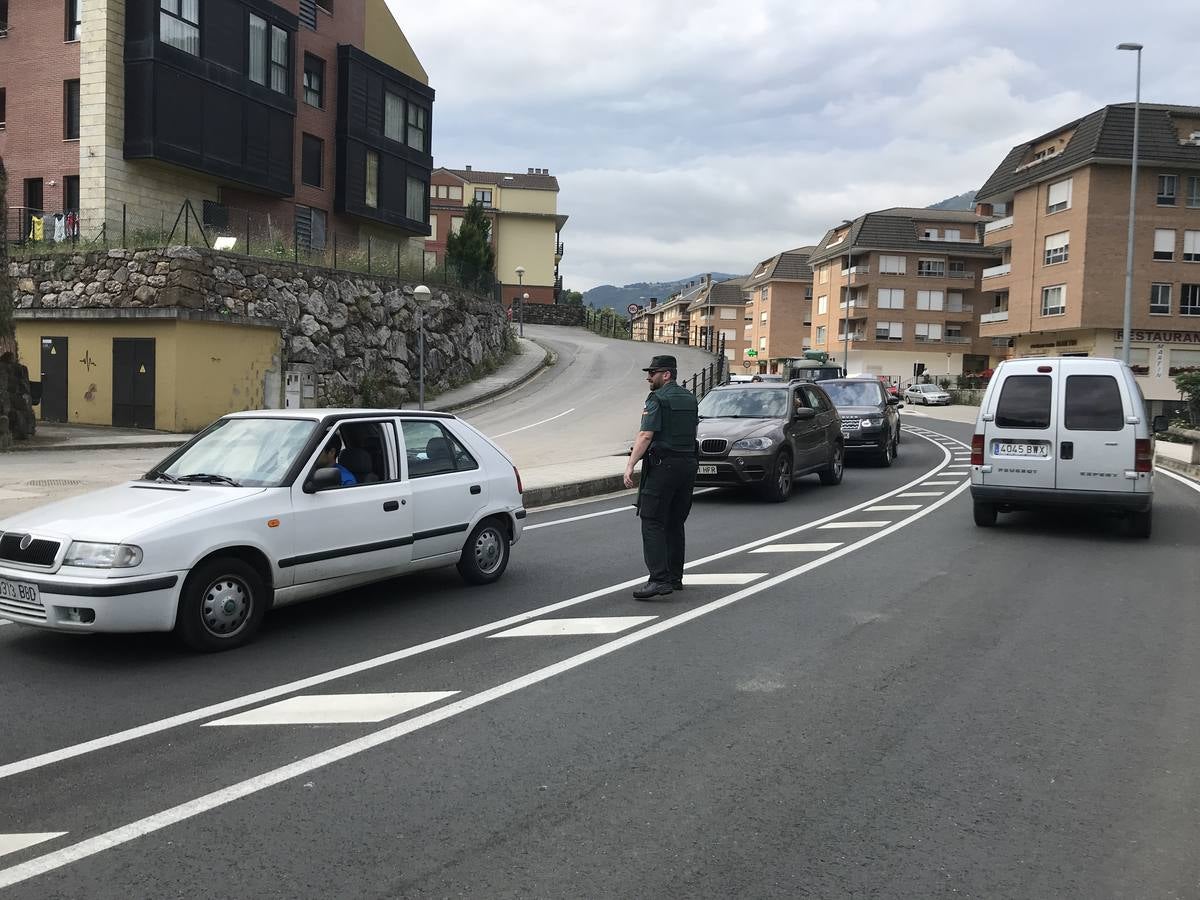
(713, 446)
(40, 552)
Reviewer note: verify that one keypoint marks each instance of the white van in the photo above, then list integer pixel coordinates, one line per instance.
(1064, 431)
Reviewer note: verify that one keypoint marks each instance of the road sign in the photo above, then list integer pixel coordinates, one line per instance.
(746, 364)
(633, 309)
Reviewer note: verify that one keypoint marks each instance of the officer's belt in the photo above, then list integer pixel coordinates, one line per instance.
(663, 451)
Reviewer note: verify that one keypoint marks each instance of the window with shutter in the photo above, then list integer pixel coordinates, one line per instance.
(1164, 244)
(1056, 247)
(1060, 196)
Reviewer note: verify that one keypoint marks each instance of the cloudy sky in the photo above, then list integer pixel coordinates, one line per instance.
(694, 136)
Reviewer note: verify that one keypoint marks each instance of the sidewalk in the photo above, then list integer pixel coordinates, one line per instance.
(530, 359)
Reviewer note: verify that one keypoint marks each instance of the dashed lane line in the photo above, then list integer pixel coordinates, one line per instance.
(797, 548)
(863, 524)
(216, 709)
(335, 709)
(560, 627)
(150, 824)
(534, 424)
(901, 507)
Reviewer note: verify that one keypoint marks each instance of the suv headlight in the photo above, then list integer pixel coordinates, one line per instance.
(754, 443)
(871, 423)
(102, 556)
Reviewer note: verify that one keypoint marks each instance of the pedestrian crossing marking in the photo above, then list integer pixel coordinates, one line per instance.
(723, 578)
(796, 548)
(958, 466)
(922, 494)
(556, 627)
(856, 524)
(11, 843)
(335, 709)
(900, 507)
(941, 483)
(4, 622)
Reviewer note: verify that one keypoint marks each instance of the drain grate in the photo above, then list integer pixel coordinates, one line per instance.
(54, 482)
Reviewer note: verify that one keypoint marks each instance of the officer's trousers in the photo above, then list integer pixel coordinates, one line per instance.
(664, 501)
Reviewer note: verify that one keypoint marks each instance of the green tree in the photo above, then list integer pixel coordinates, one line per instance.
(572, 298)
(469, 253)
(1189, 385)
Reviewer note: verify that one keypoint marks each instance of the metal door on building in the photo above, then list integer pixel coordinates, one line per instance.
(133, 382)
(54, 379)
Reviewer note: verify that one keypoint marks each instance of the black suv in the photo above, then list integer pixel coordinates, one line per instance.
(766, 435)
(870, 417)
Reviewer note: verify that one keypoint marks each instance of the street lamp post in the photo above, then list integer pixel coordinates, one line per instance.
(421, 295)
(1137, 102)
(521, 283)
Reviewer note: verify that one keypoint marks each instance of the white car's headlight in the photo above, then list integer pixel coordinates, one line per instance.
(754, 443)
(102, 556)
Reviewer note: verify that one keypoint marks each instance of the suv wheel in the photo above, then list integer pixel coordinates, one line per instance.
(887, 453)
(778, 485)
(832, 474)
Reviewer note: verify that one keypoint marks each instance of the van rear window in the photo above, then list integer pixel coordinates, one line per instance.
(1093, 403)
(1024, 402)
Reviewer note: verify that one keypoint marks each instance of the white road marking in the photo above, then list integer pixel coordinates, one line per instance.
(207, 712)
(603, 512)
(335, 709)
(904, 507)
(535, 424)
(723, 578)
(863, 524)
(4, 622)
(1180, 478)
(158, 821)
(555, 627)
(941, 483)
(797, 548)
(922, 494)
(11, 843)
(959, 466)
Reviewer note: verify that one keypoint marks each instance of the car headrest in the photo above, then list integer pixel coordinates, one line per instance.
(438, 448)
(357, 460)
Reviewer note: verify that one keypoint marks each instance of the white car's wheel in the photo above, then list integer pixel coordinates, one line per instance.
(222, 605)
(485, 554)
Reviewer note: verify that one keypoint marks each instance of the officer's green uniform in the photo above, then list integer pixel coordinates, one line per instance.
(668, 475)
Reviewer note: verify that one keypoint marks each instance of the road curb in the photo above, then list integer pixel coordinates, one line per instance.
(1175, 465)
(574, 490)
(548, 360)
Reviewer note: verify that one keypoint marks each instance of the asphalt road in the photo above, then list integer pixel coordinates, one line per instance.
(915, 708)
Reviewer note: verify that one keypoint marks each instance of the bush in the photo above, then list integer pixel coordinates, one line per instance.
(1189, 385)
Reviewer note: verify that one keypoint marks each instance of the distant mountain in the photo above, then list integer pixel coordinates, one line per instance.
(609, 295)
(962, 201)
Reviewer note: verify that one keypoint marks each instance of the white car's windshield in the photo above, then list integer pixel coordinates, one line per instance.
(241, 453)
(751, 403)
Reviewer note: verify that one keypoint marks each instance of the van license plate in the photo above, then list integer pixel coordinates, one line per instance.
(1016, 448)
(706, 470)
(20, 592)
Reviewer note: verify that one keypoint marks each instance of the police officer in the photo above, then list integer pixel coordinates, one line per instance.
(667, 441)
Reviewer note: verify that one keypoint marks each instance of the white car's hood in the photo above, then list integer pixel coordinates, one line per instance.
(114, 514)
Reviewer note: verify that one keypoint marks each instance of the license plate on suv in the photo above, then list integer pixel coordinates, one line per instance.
(706, 470)
(1021, 448)
(20, 592)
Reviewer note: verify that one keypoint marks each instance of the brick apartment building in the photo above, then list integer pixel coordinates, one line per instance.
(302, 117)
(715, 317)
(779, 311)
(526, 227)
(1059, 286)
(904, 285)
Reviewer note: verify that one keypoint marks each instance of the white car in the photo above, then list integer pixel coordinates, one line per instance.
(250, 514)
(926, 394)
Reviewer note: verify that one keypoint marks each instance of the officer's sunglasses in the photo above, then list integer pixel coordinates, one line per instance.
(656, 371)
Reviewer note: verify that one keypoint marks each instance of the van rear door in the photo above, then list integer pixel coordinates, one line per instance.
(1096, 442)
(1020, 440)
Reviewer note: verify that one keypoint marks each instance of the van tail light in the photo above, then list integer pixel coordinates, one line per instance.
(977, 450)
(1143, 455)
(520, 487)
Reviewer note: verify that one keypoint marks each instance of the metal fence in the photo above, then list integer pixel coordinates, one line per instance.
(714, 374)
(302, 241)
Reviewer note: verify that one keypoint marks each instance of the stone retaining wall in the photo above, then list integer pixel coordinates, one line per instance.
(357, 334)
(554, 314)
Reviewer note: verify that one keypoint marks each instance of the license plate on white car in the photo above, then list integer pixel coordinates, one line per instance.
(706, 470)
(20, 592)
(1020, 448)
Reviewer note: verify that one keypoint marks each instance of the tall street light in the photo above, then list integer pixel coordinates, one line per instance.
(421, 295)
(521, 283)
(1137, 102)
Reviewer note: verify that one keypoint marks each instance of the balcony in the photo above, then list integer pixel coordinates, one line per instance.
(959, 309)
(996, 315)
(998, 225)
(956, 339)
(854, 336)
(558, 251)
(856, 303)
(997, 271)
(931, 273)
(856, 274)
(956, 274)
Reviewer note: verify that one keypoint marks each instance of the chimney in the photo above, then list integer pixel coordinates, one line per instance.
(529, 171)
(983, 209)
(468, 168)
(708, 278)
(545, 171)
(653, 302)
